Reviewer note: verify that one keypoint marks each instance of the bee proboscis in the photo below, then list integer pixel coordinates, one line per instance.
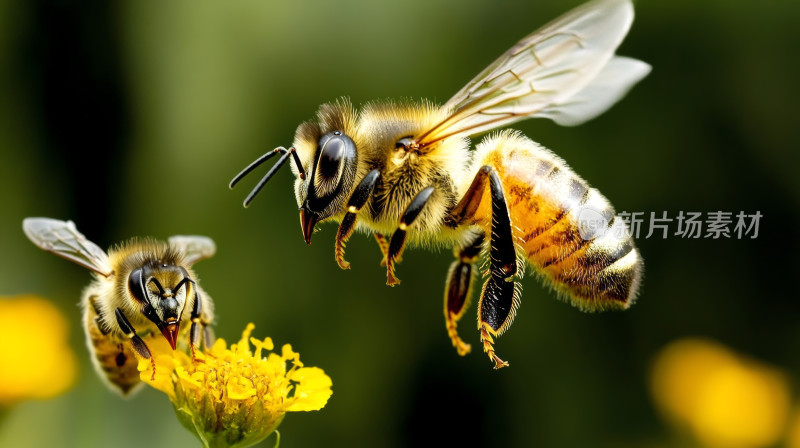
(404, 171)
(142, 288)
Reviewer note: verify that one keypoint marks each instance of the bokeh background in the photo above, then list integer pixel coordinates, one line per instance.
(130, 118)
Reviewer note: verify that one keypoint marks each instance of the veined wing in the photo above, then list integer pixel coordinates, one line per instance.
(608, 87)
(194, 247)
(64, 240)
(544, 71)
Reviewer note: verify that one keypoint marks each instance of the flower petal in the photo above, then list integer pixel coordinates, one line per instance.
(312, 391)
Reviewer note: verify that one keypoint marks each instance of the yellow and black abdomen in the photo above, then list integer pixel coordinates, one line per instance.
(565, 229)
(112, 356)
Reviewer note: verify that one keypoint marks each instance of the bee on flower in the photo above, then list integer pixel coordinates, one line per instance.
(236, 396)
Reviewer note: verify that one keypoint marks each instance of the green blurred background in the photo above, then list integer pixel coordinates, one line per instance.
(130, 118)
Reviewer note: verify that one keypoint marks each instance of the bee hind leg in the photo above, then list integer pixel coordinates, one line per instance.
(357, 200)
(497, 305)
(398, 241)
(500, 294)
(137, 343)
(458, 289)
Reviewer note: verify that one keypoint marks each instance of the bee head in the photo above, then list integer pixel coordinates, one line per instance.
(325, 161)
(325, 189)
(161, 290)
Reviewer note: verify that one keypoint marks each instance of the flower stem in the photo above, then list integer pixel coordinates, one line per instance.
(277, 439)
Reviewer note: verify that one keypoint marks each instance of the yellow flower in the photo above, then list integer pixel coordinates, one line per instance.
(724, 399)
(35, 360)
(237, 396)
(793, 437)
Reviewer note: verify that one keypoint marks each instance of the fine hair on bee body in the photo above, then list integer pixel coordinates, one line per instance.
(404, 171)
(380, 125)
(142, 289)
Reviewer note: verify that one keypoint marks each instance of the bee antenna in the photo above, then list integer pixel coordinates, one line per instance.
(256, 163)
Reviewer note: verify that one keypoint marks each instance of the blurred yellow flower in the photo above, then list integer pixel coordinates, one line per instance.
(36, 361)
(724, 399)
(237, 396)
(793, 437)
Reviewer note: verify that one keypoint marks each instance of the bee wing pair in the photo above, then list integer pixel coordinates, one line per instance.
(62, 238)
(565, 71)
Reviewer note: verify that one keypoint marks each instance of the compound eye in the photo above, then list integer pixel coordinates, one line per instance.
(136, 286)
(336, 154)
(330, 156)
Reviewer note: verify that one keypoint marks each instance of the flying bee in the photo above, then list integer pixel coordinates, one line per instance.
(141, 288)
(405, 172)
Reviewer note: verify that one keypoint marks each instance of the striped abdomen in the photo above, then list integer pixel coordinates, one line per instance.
(112, 357)
(564, 228)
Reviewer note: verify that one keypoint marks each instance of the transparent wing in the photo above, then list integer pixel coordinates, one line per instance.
(608, 87)
(194, 247)
(544, 71)
(64, 240)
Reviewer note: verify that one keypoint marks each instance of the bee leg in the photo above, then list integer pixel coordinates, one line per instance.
(209, 335)
(384, 246)
(197, 324)
(497, 300)
(468, 205)
(458, 289)
(398, 241)
(136, 341)
(98, 320)
(345, 230)
(357, 200)
(500, 294)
